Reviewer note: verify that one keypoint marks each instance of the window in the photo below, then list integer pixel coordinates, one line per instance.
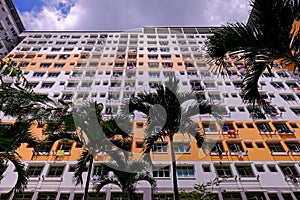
(231, 196)
(152, 57)
(78, 196)
(245, 171)
(23, 196)
(56, 171)
(223, 171)
(34, 171)
(55, 49)
(277, 85)
(296, 110)
(289, 171)
(229, 128)
(255, 195)
(46, 195)
(293, 125)
(60, 42)
(239, 125)
(297, 195)
(236, 147)
(217, 148)
(59, 65)
(72, 84)
(181, 147)
(287, 196)
(161, 172)
(1, 26)
(53, 74)
(47, 85)
(288, 97)
(66, 147)
(160, 148)
(272, 168)
(264, 127)
(249, 125)
(64, 36)
(206, 168)
(260, 144)
(260, 168)
(153, 74)
(282, 128)
(38, 74)
(209, 84)
(273, 196)
(231, 109)
(211, 127)
(248, 144)
(163, 197)
(241, 109)
(185, 171)
(234, 95)
(153, 64)
(7, 21)
(214, 97)
(45, 65)
(275, 147)
(64, 196)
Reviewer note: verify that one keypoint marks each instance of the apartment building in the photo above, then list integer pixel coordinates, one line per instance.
(10, 27)
(254, 153)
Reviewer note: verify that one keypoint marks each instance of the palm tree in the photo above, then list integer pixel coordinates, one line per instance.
(97, 136)
(18, 100)
(126, 175)
(12, 136)
(271, 36)
(179, 110)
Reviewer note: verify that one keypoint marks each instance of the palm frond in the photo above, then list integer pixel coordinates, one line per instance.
(81, 165)
(106, 181)
(22, 180)
(250, 84)
(146, 177)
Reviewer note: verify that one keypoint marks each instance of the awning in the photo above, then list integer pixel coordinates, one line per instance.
(292, 140)
(234, 140)
(273, 140)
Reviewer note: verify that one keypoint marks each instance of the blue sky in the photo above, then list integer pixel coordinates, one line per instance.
(128, 14)
(27, 5)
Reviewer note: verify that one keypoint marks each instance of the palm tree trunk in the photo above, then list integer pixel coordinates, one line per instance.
(87, 183)
(174, 169)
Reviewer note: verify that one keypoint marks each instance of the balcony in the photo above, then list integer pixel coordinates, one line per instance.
(264, 128)
(196, 86)
(282, 128)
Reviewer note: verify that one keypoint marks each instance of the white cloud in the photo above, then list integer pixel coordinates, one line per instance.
(221, 12)
(130, 14)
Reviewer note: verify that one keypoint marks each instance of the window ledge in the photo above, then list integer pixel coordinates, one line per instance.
(227, 179)
(34, 178)
(279, 153)
(265, 133)
(182, 152)
(294, 152)
(160, 152)
(52, 179)
(186, 178)
(244, 153)
(248, 179)
(211, 132)
(218, 154)
(162, 178)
